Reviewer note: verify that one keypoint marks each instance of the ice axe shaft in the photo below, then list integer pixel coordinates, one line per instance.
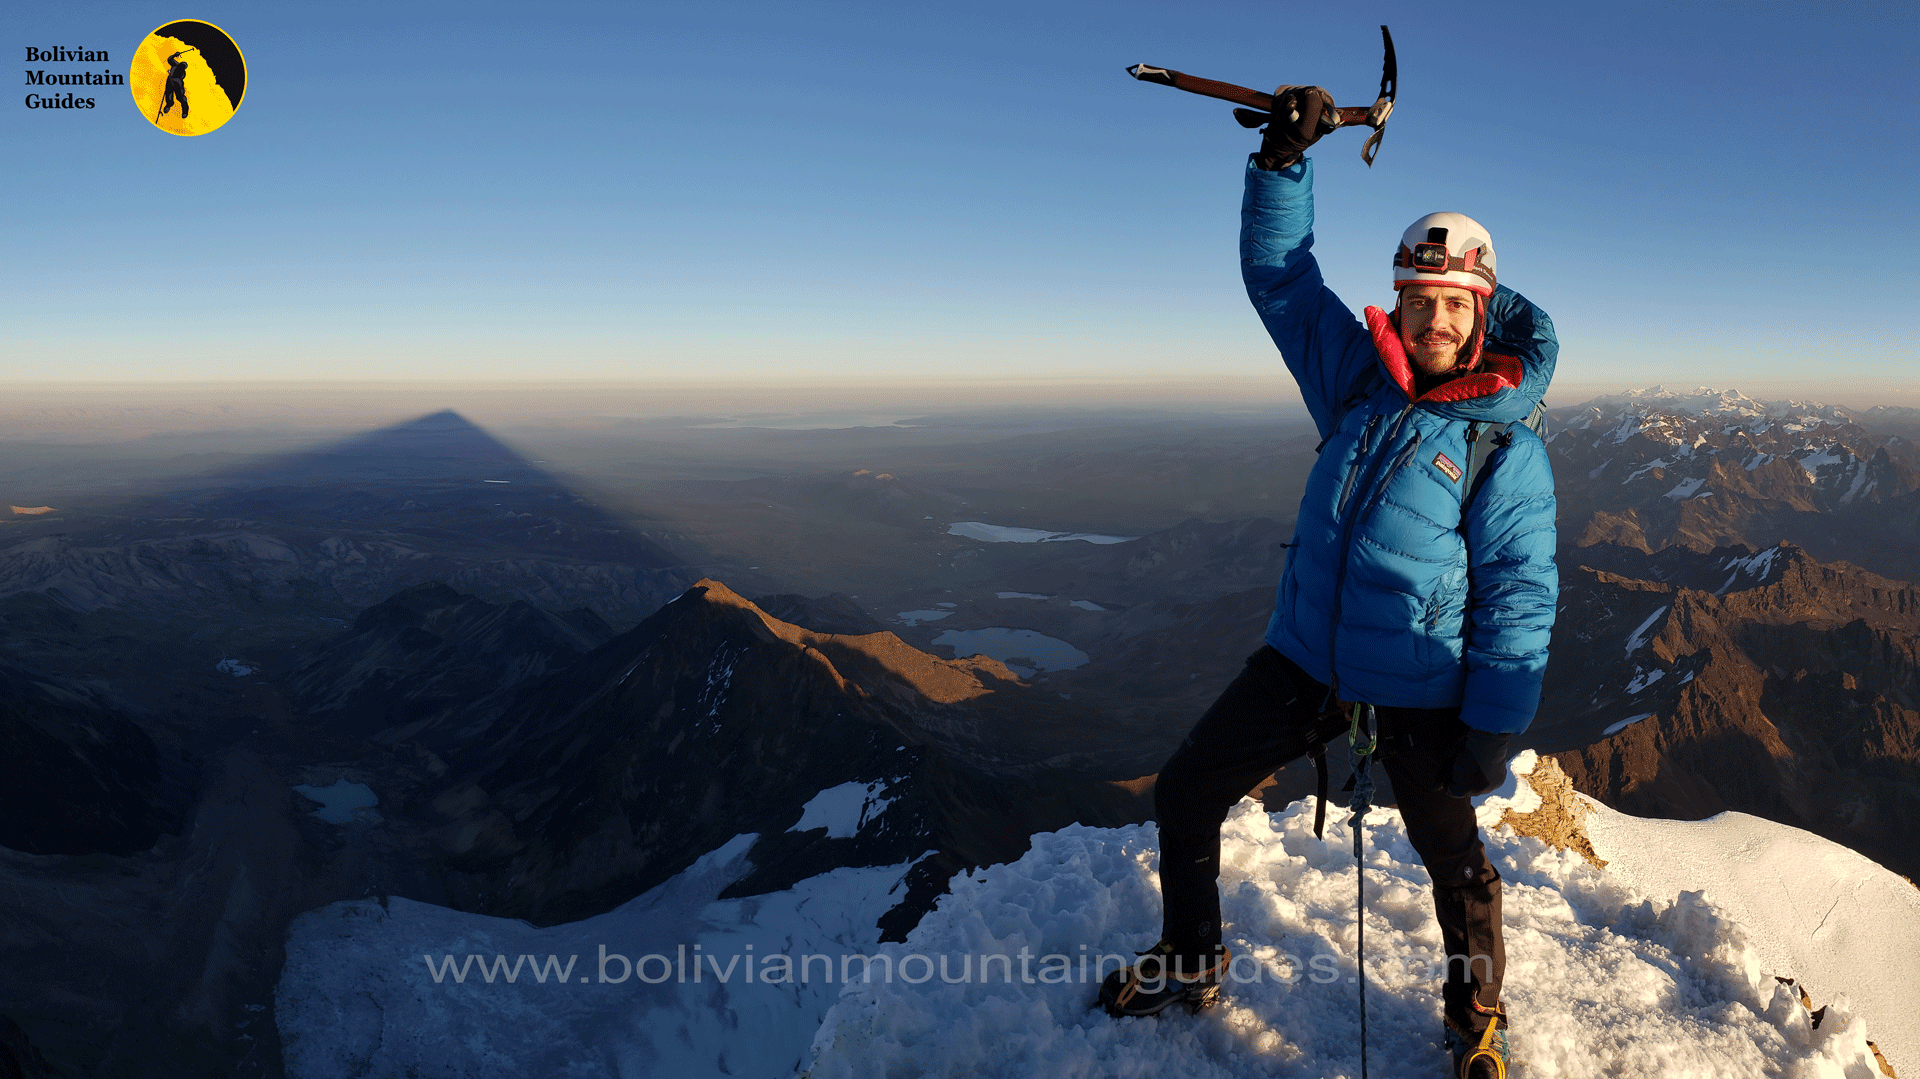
(1258, 106)
(1226, 91)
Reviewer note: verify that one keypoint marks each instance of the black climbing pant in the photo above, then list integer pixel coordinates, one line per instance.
(1269, 716)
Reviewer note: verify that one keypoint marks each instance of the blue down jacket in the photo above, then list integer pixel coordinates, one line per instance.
(1389, 595)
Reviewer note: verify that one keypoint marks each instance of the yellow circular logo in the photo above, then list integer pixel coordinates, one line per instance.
(188, 77)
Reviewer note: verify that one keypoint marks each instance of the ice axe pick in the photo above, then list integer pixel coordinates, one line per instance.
(1259, 106)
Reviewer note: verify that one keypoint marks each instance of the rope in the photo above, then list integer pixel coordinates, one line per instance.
(1360, 944)
(1362, 801)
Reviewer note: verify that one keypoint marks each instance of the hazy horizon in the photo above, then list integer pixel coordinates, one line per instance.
(29, 408)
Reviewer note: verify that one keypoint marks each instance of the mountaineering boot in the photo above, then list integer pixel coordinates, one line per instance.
(1481, 1056)
(1155, 983)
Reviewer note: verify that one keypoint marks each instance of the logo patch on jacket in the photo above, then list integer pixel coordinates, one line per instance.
(1441, 462)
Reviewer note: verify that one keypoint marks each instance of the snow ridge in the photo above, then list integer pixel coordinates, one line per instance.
(1602, 979)
(1629, 970)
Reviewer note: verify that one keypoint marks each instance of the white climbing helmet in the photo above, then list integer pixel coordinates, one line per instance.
(1445, 249)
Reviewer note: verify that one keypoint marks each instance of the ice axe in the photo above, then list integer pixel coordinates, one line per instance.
(1259, 106)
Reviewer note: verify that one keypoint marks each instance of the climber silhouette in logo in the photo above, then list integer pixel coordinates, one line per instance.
(176, 85)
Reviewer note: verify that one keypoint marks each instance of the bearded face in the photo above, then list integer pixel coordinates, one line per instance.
(1436, 325)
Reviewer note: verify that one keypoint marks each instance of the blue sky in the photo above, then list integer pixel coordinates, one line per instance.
(1698, 193)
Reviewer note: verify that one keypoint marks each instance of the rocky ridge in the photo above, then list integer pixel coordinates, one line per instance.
(1763, 681)
(559, 794)
(1710, 468)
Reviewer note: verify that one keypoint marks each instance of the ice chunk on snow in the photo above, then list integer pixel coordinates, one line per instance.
(1757, 565)
(1685, 489)
(234, 667)
(1858, 487)
(1658, 462)
(1812, 462)
(1639, 635)
(843, 810)
(1643, 680)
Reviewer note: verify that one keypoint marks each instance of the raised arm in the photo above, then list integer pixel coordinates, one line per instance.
(1322, 342)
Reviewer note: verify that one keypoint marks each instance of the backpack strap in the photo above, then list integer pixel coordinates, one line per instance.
(1478, 452)
(1478, 435)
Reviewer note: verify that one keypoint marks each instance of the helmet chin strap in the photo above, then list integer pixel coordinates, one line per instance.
(1479, 333)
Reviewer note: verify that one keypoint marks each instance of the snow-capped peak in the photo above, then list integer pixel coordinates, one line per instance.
(1699, 401)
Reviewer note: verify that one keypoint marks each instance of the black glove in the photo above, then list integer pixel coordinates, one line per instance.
(1480, 766)
(1301, 114)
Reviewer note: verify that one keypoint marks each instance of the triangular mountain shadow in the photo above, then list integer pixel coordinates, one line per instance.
(334, 528)
(439, 477)
(438, 444)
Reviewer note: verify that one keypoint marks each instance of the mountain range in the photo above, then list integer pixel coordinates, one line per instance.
(421, 664)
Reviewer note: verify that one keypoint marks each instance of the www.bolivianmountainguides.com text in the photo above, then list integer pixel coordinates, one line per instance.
(696, 966)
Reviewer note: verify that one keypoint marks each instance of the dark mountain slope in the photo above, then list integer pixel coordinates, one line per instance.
(560, 794)
(1768, 683)
(430, 657)
(77, 775)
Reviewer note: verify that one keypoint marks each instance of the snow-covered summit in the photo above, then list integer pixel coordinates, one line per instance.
(1630, 970)
(1662, 963)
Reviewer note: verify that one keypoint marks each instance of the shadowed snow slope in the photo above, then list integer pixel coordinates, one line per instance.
(358, 996)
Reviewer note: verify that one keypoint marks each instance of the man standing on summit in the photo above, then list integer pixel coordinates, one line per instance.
(1418, 584)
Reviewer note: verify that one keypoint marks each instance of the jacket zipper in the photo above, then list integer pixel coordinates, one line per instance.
(1346, 549)
(1366, 440)
(1380, 489)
